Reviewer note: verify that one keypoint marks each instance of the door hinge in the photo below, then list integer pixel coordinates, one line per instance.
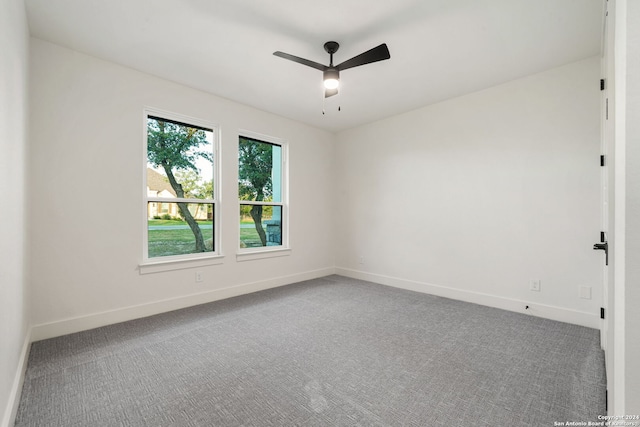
(601, 84)
(603, 236)
(602, 160)
(602, 312)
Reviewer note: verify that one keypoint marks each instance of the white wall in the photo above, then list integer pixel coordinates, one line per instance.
(14, 39)
(86, 224)
(632, 168)
(473, 197)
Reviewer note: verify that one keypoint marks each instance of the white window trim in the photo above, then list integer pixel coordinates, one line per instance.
(175, 262)
(250, 254)
(179, 264)
(247, 254)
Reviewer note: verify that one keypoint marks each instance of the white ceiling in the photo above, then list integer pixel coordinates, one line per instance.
(439, 48)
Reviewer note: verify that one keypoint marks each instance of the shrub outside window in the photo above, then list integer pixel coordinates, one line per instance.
(181, 196)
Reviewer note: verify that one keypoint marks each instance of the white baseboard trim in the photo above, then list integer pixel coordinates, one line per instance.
(540, 310)
(9, 418)
(96, 320)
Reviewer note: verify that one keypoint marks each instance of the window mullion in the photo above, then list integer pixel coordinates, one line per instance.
(179, 200)
(251, 202)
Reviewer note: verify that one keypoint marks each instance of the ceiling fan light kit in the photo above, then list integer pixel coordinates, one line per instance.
(331, 73)
(331, 78)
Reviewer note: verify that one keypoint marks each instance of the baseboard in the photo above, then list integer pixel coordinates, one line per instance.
(540, 310)
(11, 410)
(96, 320)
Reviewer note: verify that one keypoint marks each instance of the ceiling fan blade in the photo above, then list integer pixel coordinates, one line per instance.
(302, 61)
(378, 53)
(330, 92)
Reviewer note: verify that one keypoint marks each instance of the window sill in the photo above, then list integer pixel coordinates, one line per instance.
(178, 264)
(262, 254)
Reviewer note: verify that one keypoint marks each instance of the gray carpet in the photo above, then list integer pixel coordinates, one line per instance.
(326, 352)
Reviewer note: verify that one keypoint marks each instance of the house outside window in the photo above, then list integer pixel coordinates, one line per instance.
(181, 198)
(262, 193)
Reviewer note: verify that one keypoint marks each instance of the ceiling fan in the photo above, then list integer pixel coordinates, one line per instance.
(331, 73)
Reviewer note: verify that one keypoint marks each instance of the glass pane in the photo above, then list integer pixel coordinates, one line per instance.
(179, 160)
(260, 226)
(179, 228)
(259, 171)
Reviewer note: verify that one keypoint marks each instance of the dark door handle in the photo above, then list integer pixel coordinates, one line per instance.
(603, 247)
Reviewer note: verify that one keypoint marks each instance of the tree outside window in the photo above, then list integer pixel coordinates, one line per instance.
(180, 188)
(260, 190)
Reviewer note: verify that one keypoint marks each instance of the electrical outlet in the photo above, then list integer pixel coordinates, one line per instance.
(585, 292)
(198, 276)
(534, 285)
(361, 260)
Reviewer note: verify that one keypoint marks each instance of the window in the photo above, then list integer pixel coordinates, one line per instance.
(261, 191)
(181, 195)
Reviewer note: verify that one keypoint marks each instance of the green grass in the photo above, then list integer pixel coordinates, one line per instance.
(249, 237)
(176, 242)
(182, 242)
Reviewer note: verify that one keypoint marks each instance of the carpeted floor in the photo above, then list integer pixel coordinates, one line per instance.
(326, 352)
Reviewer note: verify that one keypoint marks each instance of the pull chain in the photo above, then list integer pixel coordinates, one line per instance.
(323, 103)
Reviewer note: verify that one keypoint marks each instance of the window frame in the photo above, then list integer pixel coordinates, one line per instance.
(244, 254)
(170, 262)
